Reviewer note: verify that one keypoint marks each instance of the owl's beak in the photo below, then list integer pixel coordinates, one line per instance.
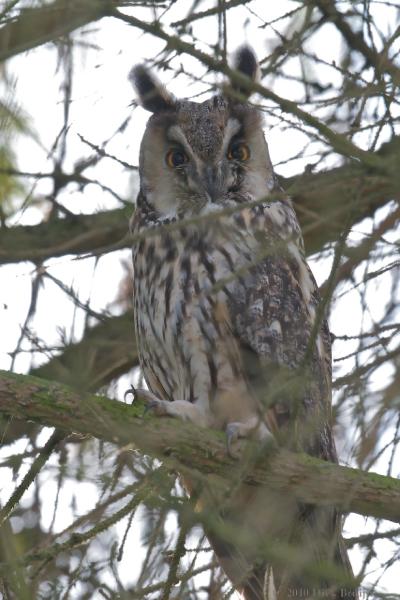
(212, 182)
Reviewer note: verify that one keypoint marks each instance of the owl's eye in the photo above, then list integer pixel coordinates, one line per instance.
(175, 158)
(239, 151)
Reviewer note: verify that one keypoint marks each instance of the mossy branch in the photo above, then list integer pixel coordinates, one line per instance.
(184, 447)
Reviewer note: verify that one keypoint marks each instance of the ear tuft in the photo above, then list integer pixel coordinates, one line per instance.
(152, 94)
(245, 61)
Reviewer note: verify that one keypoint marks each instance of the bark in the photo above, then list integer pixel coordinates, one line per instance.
(186, 448)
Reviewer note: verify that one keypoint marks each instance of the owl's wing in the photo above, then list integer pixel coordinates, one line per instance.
(272, 309)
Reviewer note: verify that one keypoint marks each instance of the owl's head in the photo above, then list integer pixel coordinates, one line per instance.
(196, 156)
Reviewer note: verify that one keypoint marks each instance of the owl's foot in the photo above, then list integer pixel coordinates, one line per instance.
(233, 434)
(181, 409)
(252, 428)
(152, 403)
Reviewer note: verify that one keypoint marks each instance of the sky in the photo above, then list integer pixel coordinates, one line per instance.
(102, 99)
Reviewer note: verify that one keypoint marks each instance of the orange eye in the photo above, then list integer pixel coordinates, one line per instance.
(239, 151)
(175, 158)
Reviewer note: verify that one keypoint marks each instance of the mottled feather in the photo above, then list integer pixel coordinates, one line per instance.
(225, 310)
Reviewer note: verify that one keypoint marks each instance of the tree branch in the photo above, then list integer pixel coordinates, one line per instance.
(93, 234)
(36, 26)
(339, 142)
(34, 470)
(216, 10)
(379, 61)
(323, 201)
(329, 201)
(184, 447)
(106, 351)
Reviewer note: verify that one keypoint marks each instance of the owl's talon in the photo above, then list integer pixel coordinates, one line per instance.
(232, 435)
(251, 428)
(131, 391)
(152, 403)
(155, 406)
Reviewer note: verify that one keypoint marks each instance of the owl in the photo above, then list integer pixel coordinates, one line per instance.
(228, 326)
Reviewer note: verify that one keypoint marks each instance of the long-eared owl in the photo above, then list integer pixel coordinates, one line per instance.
(228, 325)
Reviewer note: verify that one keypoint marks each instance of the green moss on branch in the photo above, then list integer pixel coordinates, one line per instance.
(187, 448)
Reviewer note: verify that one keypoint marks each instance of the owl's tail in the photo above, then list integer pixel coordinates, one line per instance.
(248, 580)
(316, 557)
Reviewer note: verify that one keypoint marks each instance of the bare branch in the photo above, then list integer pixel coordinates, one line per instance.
(338, 141)
(355, 40)
(350, 193)
(106, 351)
